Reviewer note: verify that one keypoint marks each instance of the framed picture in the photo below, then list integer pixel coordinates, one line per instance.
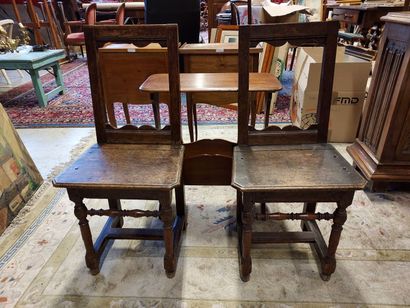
(229, 37)
(19, 177)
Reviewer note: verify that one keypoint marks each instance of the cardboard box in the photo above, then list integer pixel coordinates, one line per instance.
(263, 14)
(349, 88)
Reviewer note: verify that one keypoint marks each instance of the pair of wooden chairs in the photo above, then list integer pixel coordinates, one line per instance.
(271, 165)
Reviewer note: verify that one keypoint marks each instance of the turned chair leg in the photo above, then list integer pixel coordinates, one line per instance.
(180, 204)
(92, 259)
(339, 218)
(245, 240)
(239, 207)
(166, 217)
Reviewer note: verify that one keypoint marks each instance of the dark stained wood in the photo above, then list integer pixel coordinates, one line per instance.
(208, 162)
(126, 166)
(288, 164)
(382, 149)
(130, 162)
(321, 164)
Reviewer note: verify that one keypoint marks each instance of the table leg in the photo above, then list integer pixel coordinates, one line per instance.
(59, 77)
(38, 87)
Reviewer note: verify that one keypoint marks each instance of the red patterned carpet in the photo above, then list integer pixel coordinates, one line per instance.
(74, 108)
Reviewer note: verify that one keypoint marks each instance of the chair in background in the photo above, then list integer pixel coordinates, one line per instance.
(77, 38)
(186, 13)
(7, 25)
(131, 162)
(290, 164)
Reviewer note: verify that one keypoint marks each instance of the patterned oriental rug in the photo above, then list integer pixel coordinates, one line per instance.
(74, 109)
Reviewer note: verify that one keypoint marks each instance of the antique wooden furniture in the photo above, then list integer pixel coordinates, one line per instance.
(185, 13)
(212, 58)
(130, 162)
(123, 69)
(363, 16)
(77, 38)
(33, 62)
(290, 164)
(382, 149)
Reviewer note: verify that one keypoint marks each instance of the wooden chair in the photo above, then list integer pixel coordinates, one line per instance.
(124, 68)
(290, 164)
(130, 162)
(77, 38)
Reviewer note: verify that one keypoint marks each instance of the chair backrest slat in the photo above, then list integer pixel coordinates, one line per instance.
(320, 34)
(139, 35)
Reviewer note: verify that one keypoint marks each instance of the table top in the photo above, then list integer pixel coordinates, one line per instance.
(212, 82)
(31, 56)
(112, 6)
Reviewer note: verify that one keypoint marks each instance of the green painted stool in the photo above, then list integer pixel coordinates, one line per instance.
(33, 62)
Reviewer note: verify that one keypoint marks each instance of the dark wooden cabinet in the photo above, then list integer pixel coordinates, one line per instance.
(382, 149)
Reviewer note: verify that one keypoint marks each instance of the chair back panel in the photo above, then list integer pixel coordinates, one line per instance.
(321, 34)
(140, 36)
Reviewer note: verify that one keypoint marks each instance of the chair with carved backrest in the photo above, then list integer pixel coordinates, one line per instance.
(290, 164)
(130, 162)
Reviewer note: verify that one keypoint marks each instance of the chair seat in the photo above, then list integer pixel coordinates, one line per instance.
(292, 167)
(125, 166)
(75, 38)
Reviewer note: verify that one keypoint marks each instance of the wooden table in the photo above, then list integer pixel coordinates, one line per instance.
(202, 154)
(33, 62)
(212, 82)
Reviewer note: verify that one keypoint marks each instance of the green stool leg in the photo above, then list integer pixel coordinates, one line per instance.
(35, 78)
(59, 77)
